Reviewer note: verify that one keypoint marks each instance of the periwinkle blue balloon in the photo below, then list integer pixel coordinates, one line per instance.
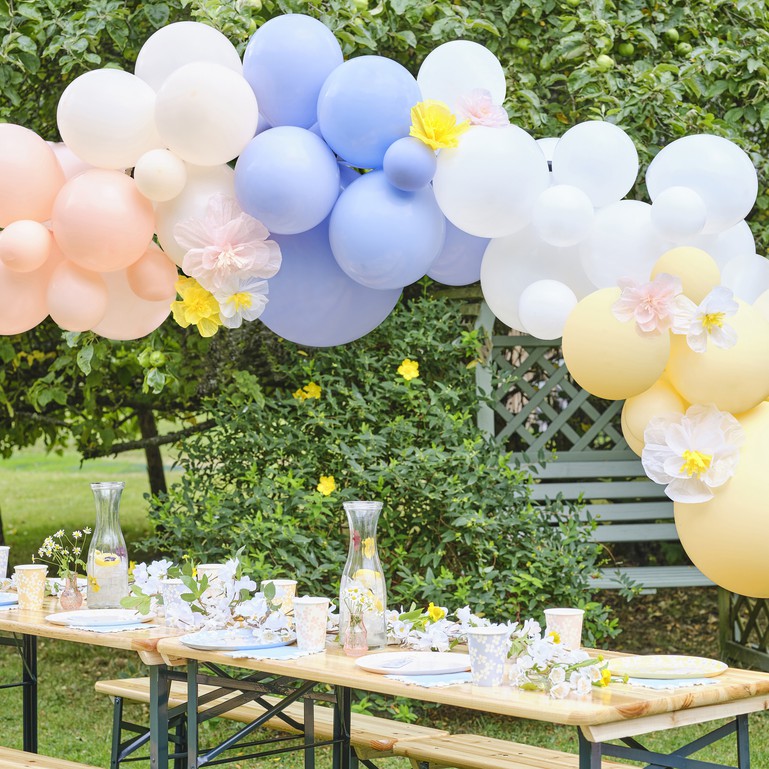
(286, 63)
(312, 302)
(409, 164)
(385, 238)
(287, 178)
(263, 125)
(364, 106)
(459, 263)
(347, 175)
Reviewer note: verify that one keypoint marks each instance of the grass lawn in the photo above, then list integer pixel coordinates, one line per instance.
(39, 494)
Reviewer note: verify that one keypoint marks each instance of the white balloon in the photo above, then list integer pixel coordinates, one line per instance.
(624, 244)
(180, 43)
(679, 213)
(487, 186)
(107, 118)
(160, 175)
(599, 158)
(206, 113)
(724, 246)
(544, 306)
(747, 275)
(70, 163)
(563, 215)
(547, 145)
(762, 304)
(454, 69)
(202, 184)
(715, 168)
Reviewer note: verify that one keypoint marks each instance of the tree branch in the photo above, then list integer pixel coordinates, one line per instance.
(159, 440)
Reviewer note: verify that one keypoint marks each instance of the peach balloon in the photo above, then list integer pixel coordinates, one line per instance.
(658, 400)
(25, 245)
(23, 296)
(101, 221)
(153, 277)
(696, 268)
(128, 316)
(77, 298)
(726, 536)
(70, 163)
(30, 175)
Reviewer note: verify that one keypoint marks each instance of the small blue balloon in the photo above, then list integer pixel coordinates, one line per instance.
(312, 302)
(459, 263)
(287, 178)
(385, 238)
(286, 63)
(409, 164)
(364, 106)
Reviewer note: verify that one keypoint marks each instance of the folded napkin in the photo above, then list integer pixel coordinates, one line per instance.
(439, 679)
(276, 653)
(112, 628)
(671, 683)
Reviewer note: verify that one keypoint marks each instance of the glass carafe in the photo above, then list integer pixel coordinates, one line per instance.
(107, 566)
(363, 590)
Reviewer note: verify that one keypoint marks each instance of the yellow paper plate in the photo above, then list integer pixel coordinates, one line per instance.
(666, 666)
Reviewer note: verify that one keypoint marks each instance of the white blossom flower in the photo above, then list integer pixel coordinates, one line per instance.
(584, 685)
(560, 691)
(241, 299)
(692, 453)
(557, 676)
(707, 321)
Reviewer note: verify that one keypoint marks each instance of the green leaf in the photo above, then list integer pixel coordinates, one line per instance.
(84, 358)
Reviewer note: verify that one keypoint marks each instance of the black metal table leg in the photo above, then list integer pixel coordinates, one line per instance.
(29, 691)
(192, 714)
(160, 687)
(743, 743)
(589, 752)
(342, 713)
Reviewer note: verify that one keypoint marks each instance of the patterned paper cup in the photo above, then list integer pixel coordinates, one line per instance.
(213, 572)
(488, 654)
(567, 623)
(30, 585)
(285, 590)
(4, 550)
(310, 619)
(171, 590)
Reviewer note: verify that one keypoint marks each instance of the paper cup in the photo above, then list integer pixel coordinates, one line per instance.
(4, 550)
(285, 590)
(30, 585)
(213, 572)
(171, 590)
(488, 654)
(567, 623)
(310, 621)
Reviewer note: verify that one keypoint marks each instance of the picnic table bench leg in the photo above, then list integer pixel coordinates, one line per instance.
(192, 714)
(342, 713)
(743, 743)
(29, 692)
(160, 687)
(589, 752)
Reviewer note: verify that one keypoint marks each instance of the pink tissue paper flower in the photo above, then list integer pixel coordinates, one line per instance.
(479, 109)
(653, 305)
(226, 243)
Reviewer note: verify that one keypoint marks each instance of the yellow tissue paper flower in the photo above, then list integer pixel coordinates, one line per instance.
(409, 369)
(197, 307)
(433, 123)
(327, 485)
(435, 613)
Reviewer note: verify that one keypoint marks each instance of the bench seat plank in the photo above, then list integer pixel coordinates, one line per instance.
(654, 577)
(19, 759)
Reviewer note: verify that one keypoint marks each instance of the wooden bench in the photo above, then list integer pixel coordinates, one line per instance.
(628, 508)
(371, 736)
(18, 759)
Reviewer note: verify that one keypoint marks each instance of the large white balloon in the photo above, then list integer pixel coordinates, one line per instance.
(160, 175)
(206, 113)
(183, 42)
(724, 246)
(487, 186)
(747, 275)
(456, 68)
(679, 214)
(599, 158)
(715, 168)
(544, 306)
(563, 215)
(624, 244)
(107, 118)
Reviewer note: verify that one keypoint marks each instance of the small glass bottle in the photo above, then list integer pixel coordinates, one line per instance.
(107, 566)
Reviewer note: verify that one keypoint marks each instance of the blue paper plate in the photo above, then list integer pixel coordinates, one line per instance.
(234, 639)
(8, 599)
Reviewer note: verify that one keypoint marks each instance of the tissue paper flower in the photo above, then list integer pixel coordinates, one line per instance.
(707, 321)
(197, 307)
(241, 299)
(478, 109)
(653, 305)
(433, 123)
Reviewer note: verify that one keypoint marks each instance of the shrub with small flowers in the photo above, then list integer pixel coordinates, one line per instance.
(65, 552)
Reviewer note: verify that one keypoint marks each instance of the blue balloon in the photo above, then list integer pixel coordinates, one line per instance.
(364, 106)
(385, 238)
(312, 302)
(287, 178)
(409, 164)
(286, 63)
(347, 175)
(459, 263)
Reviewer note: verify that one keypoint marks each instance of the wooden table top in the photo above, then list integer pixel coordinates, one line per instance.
(615, 703)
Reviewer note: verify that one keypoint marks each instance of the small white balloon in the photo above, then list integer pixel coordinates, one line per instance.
(160, 175)
(547, 145)
(180, 43)
(544, 307)
(206, 113)
(747, 275)
(563, 215)
(724, 246)
(456, 68)
(715, 168)
(679, 213)
(599, 158)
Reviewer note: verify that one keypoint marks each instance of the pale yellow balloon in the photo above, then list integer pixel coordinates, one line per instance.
(736, 379)
(635, 445)
(658, 400)
(726, 537)
(696, 268)
(761, 303)
(607, 357)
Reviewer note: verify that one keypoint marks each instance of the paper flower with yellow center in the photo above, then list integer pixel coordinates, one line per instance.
(706, 322)
(310, 390)
(433, 123)
(197, 307)
(692, 453)
(241, 299)
(409, 369)
(327, 485)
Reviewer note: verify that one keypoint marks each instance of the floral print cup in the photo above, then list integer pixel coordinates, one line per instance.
(30, 585)
(213, 572)
(171, 590)
(285, 590)
(488, 654)
(4, 550)
(566, 624)
(310, 619)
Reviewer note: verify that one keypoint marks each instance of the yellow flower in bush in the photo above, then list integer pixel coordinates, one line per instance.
(435, 613)
(433, 123)
(327, 485)
(197, 307)
(310, 390)
(409, 369)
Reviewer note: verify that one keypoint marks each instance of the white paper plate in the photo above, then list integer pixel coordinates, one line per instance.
(235, 639)
(99, 617)
(666, 666)
(8, 599)
(415, 663)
